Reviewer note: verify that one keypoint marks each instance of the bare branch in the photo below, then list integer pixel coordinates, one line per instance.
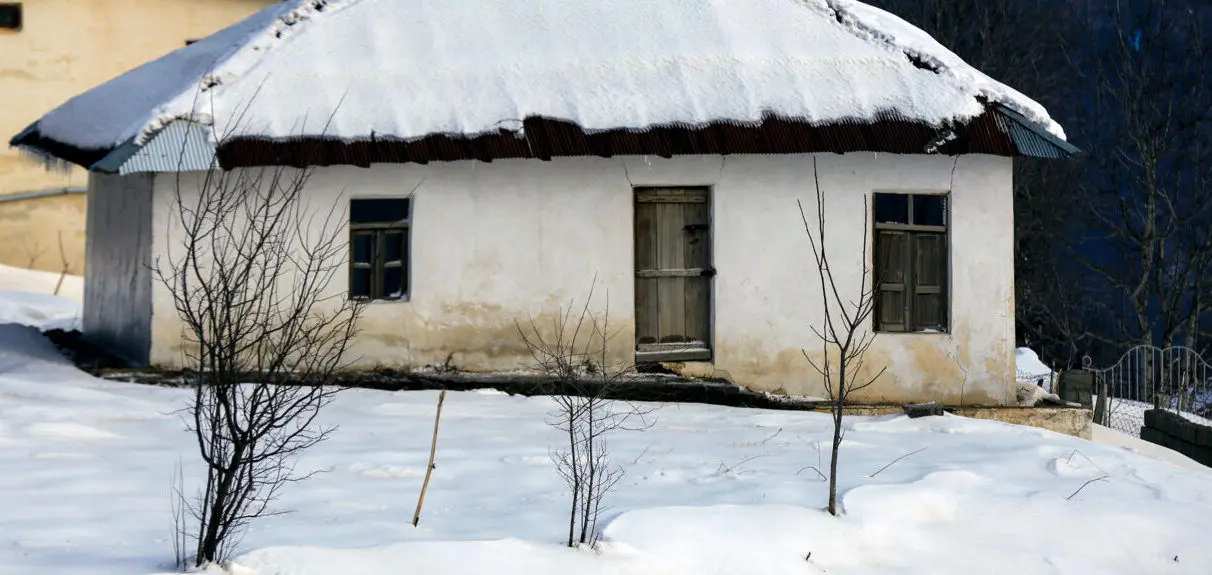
(1079, 489)
(890, 463)
(574, 353)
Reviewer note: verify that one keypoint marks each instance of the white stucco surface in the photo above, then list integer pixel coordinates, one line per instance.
(494, 243)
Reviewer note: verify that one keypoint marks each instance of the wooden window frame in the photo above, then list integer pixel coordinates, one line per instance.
(908, 286)
(18, 20)
(378, 231)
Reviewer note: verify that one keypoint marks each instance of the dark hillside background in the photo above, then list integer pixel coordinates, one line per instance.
(1113, 247)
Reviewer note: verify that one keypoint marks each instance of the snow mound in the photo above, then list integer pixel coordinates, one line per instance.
(26, 299)
(1027, 365)
(21, 279)
(1029, 370)
(22, 346)
(41, 311)
(1108, 436)
(405, 69)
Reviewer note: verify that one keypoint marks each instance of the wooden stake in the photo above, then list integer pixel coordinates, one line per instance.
(433, 447)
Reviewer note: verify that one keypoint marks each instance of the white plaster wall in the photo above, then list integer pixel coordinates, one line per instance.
(117, 276)
(768, 295)
(493, 243)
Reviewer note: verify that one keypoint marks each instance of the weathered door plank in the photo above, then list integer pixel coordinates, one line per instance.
(673, 274)
(671, 290)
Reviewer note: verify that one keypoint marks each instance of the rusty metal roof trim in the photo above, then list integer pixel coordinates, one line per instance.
(546, 138)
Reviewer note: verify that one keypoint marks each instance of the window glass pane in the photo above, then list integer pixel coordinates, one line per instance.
(379, 210)
(891, 208)
(393, 248)
(930, 210)
(359, 283)
(10, 15)
(393, 282)
(363, 248)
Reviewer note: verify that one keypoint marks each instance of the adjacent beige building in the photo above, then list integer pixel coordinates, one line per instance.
(53, 50)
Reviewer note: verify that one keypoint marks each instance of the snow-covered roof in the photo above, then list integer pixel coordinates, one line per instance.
(407, 69)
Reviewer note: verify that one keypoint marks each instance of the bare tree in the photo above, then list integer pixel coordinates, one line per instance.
(574, 354)
(1147, 175)
(250, 278)
(845, 330)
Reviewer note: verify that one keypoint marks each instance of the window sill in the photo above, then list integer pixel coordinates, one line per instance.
(673, 355)
(920, 332)
(369, 301)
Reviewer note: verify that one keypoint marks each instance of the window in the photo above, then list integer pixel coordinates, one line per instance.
(379, 248)
(911, 262)
(10, 15)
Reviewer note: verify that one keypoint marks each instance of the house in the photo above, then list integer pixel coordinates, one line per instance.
(51, 50)
(510, 152)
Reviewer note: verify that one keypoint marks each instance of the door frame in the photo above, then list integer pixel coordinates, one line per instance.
(677, 352)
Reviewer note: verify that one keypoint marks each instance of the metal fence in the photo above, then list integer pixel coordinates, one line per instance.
(1147, 377)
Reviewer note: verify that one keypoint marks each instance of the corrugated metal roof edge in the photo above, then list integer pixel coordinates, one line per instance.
(1038, 132)
(547, 138)
(178, 147)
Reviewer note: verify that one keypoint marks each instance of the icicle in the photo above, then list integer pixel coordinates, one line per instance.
(49, 162)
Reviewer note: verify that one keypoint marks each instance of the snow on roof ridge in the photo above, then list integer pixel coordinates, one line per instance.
(853, 61)
(237, 62)
(846, 12)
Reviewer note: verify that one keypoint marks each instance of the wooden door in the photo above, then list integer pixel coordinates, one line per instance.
(673, 274)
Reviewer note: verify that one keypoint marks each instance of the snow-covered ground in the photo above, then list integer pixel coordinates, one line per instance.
(1108, 436)
(87, 466)
(27, 297)
(35, 281)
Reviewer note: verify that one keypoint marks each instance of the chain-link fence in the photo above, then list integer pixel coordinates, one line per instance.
(1174, 379)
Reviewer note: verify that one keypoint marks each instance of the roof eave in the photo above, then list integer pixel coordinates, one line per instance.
(107, 160)
(1019, 137)
(1033, 140)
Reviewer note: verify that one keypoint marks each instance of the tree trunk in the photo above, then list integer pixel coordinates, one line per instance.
(208, 544)
(572, 454)
(837, 443)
